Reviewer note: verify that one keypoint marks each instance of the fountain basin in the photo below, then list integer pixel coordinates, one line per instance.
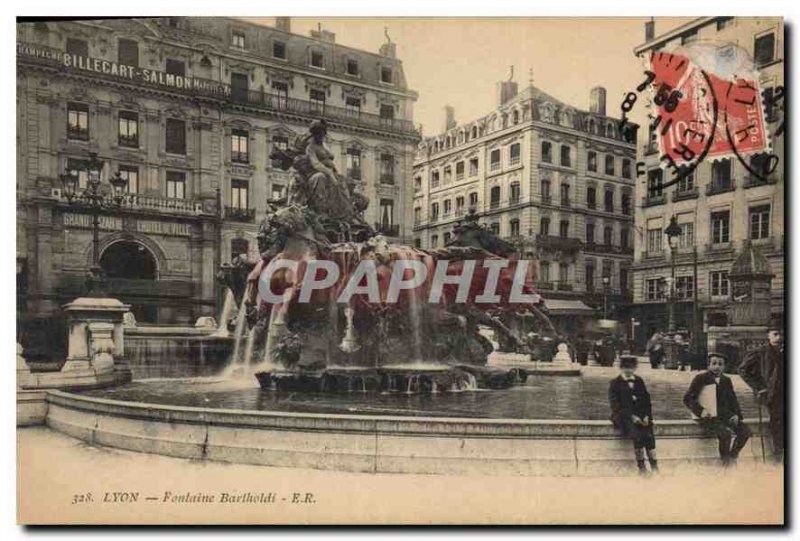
(377, 443)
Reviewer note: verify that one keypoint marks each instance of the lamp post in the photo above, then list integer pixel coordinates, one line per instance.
(92, 199)
(606, 282)
(673, 232)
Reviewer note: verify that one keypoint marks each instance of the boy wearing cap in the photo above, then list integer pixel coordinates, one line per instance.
(631, 412)
(719, 413)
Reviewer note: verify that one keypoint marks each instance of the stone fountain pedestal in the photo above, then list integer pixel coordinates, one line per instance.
(96, 350)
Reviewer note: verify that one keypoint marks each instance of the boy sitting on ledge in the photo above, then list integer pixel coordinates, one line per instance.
(712, 400)
(631, 412)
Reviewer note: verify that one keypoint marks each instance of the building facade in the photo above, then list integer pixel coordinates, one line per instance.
(720, 207)
(188, 110)
(555, 180)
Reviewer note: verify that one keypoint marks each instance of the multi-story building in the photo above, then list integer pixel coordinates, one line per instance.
(720, 207)
(556, 180)
(188, 110)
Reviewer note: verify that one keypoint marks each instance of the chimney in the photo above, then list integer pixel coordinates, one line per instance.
(649, 30)
(506, 90)
(597, 101)
(323, 35)
(449, 117)
(283, 24)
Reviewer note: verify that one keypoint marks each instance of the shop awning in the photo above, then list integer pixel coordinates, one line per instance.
(565, 307)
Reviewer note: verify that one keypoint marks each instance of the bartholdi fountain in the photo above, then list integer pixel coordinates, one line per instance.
(411, 344)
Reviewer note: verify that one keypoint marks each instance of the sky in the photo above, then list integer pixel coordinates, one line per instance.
(458, 61)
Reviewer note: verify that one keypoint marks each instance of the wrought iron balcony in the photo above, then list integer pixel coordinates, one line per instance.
(240, 157)
(681, 195)
(564, 244)
(389, 230)
(717, 188)
(654, 200)
(751, 181)
(77, 134)
(129, 141)
(238, 214)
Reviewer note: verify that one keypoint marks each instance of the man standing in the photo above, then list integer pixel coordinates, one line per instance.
(762, 370)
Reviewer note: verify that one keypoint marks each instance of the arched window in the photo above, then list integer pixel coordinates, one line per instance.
(474, 132)
(515, 117)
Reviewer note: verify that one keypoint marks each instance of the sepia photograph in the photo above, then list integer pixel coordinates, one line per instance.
(298, 270)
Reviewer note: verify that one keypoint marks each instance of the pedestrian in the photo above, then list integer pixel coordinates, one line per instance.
(684, 355)
(713, 401)
(655, 349)
(582, 350)
(763, 371)
(632, 414)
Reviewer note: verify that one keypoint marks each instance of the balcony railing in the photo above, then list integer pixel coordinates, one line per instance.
(551, 242)
(129, 141)
(565, 202)
(547, 200)
(355, 174)
(387, 178)
(240, 157)
(714, 189)
(681, 195)
(654, 200)
(514, 200)
(77, 134)
(238, 214)
(494, 205)
(389, 230)
(161, 205)
(751, 181)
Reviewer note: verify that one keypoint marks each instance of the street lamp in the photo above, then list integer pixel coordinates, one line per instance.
(94, 201)
(673, 232)
(606, 282)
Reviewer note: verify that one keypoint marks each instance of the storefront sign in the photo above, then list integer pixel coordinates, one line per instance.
(122, 71)
(163, 228)
(108, 223)
(115, 223)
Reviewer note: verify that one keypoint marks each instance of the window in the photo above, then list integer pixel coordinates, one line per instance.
(351, 66)
(547, 152)
(387, 169)
(473, 167)
(279, 50)
(762, 165)
(514, 197)
(545, 190)
(417, 184)
(494, 197)
(128, 129)
(435, 178)
(417, 216)
(654, 237)
(474, 132)
(655, 186)
(386, 75)
(623, 280)
(591, 197)
(494, 160)
(544, 226)
(176, 184)
(354, 163)
(277, 192)
(237, 39)
(686, 182)
(544, 271)
(720, 286)
(563, 229)
(653, 289)
(608, 235)
(239, 193)
(589, 277)
(592, 161)
(447, 208)
(759, 222)
(589, 233)
(317, 99)
(387, 111)
(513, 226)
(608, 200)
(175, 67)
(280, 142)
(626, 168)
(764, 49)
(720, 227)
(77, 47)
(771, 108)
(317, 60)
(239, 86)
(686, 238)
(721, 174)
(564, 195)
(446, 238)
(610, 169)
(626, 203)
(281, 91)
(176, 136)
(78, 121)
(460, 205)
(514, 153)
(563, 273)
(434, 241)
(434, 211)
(128, 52)
(418, 243)
(131, 176)
(353, 105)
(387, 213)
(565, 158)
(473, 200)
(239, 247)
(684, 287)
(77, 170)
(495, 228)
(624, 237)
(459, 170)
(239, 140)
(448, 175)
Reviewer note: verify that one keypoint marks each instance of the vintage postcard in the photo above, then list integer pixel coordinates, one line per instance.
(299, 270)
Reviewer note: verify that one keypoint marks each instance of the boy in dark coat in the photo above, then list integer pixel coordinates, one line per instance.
(727, 424)
(631, 412)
